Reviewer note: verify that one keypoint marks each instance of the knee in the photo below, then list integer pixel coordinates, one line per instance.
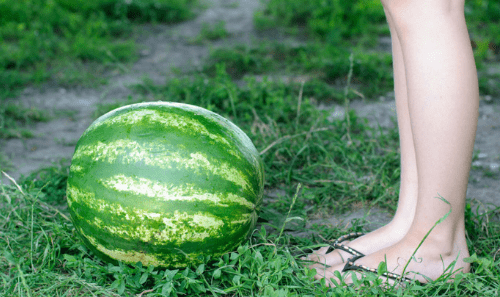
(408, 10)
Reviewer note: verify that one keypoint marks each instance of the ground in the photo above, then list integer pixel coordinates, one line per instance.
(164, 47)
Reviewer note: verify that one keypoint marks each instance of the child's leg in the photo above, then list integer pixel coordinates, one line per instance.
(397, 228)
(408, 191)
(443, 103)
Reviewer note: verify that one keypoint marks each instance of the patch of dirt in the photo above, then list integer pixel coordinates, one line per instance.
(163, 47)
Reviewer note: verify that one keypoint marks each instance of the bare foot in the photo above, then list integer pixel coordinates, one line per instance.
(431, 260)
(366, 244)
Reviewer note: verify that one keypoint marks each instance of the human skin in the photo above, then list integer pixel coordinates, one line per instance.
(437, 102)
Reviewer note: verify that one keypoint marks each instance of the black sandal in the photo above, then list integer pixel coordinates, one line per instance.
(350, 265)
(338, 244)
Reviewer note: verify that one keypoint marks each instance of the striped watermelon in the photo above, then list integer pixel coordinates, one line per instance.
(164, 184)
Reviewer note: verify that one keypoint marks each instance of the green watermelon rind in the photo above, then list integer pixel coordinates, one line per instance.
(165, 184)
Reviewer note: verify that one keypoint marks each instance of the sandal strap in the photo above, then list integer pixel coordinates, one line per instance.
(349, 236)
(350, 265)
(345, 248)
(338, 244)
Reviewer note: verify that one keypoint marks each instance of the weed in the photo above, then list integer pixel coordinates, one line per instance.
(360, 22)
(43, 255)
(36, 35)
(372, 72)
(103, 108)
(50, 180)
(338, 163)
(491, 174)
(211, 33)
(297, 146)
(15, 118)
(5, 163)
(330, 21)
(488, 84)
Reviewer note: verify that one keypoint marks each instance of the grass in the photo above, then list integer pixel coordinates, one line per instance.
(310, 149)
(328, 64)
(358, 24)
(332, 22)
(5, 163)
(322, 166)
(361, 21)
(43, 38)
(15, 117)
(211, 33)
(71, 42)
(335, 175)
(43, 256)
(70, 46)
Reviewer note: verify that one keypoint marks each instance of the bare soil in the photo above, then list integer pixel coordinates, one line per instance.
(164, 47)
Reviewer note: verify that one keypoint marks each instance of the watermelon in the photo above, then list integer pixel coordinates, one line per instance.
(165, 184)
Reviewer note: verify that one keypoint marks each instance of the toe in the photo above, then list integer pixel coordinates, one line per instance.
(318, 255)
(328, 274)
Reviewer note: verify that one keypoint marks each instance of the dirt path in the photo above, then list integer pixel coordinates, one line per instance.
(164, 47)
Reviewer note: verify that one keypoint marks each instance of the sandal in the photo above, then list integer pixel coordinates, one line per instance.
(350, 265)
(338, 244)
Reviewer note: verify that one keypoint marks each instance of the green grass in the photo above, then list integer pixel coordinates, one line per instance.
(5, 163)
(488, 84)
(43, 256)
(311, 149)
(211, 33)
(359, 24)
(328, 64)
(362, 21)
(483, 20)
(14, 118)
(339, 164)
(302, 147)
(330, 21)
(71, 43)
(42, 39)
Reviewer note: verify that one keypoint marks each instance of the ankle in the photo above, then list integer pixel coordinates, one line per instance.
(448, 232)
(441, 243)
(399, 226)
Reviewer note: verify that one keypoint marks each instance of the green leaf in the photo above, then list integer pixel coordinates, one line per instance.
(200, 269)
(217, 274)
(10, 258)
(258, 257)
(236, 279)
(471, 259)
(121, 287)
(263, 232)
(417, 288)
(198, 287)
(144, 278)
(138, 265)
(118, 269)
(311, 273)
(234, 256)
(169, 274)
(382, 268)
(69, 258)
(166, 289)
